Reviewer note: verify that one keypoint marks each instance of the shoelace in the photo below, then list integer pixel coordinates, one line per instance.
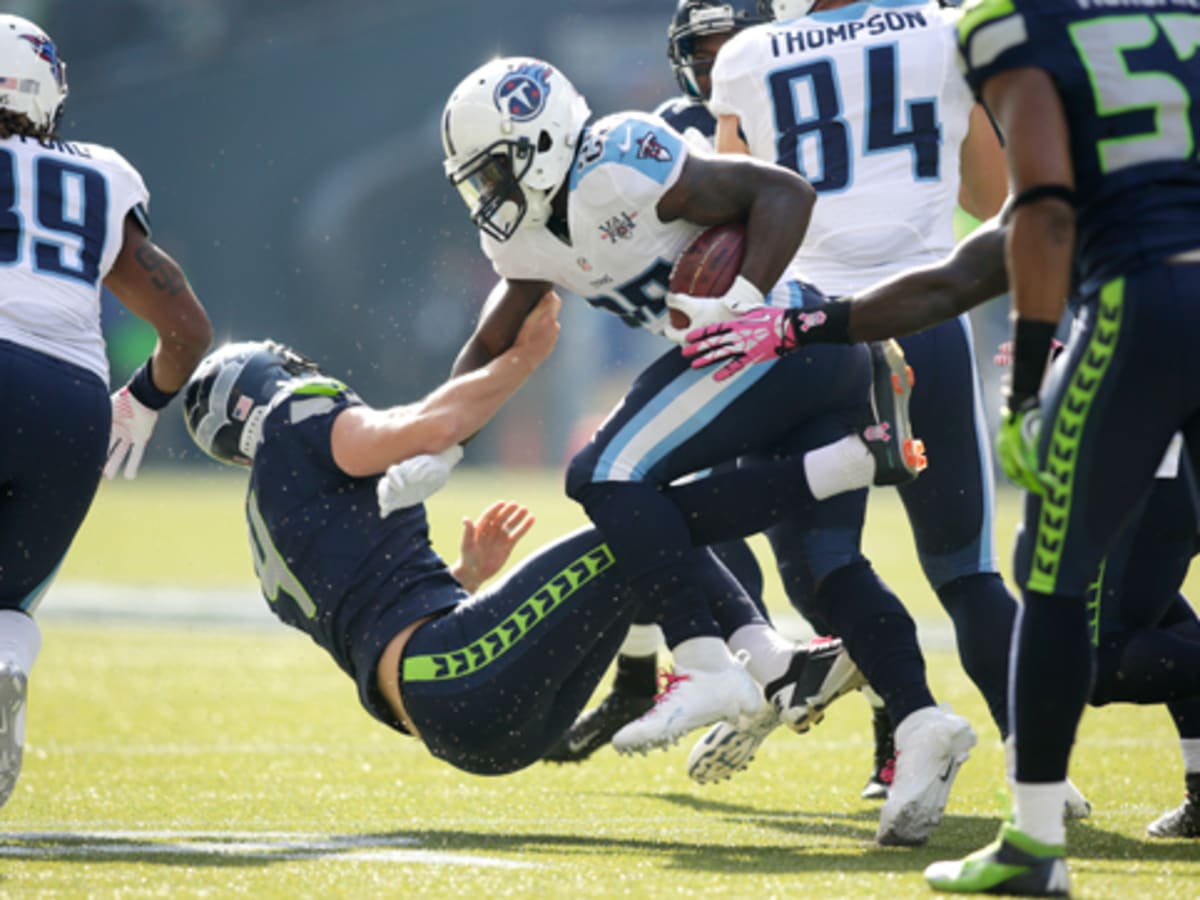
(668, 682)
(887, 772)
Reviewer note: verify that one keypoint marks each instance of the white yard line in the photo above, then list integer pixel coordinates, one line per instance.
(269, 846)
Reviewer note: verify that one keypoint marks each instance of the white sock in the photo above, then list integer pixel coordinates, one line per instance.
(709, 654)
(20, 639)
(844, 465)
(1038, 811)
(1190, 747)
(911, 721)
(642, 640)
(770, 652)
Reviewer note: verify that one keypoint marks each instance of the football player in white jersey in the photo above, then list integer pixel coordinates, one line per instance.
(865, 101)
(604, 210)
(697, 31)
(72, 221)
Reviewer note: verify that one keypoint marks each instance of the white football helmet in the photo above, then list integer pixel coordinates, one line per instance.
(33, 79)
(510, 130)
(782, 10)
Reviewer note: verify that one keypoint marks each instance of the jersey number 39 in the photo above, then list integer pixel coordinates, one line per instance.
(70, 204)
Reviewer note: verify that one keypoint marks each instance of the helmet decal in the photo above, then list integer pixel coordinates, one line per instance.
(44, 48)
(522, 94)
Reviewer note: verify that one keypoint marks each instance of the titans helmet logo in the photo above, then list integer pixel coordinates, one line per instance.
(522, 93)
(45, 49)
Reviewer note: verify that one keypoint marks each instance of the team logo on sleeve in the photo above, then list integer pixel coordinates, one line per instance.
(650, 148)
(522, 94)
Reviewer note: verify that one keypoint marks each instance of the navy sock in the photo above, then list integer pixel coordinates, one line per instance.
(879, 635)
(636, 675)
(983, 613)
(1052, 679)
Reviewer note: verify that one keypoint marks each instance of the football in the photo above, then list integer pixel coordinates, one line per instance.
(708, 266)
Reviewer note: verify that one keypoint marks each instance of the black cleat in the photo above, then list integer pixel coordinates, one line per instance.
(595, 728)
(899, 457)
(1181, 822)
(821, 673)
(885, 758)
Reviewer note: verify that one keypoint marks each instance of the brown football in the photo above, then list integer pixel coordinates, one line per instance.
(708, 265)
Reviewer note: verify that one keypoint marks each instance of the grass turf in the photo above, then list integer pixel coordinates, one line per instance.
(169, 759)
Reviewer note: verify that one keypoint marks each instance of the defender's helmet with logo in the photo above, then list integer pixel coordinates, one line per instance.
(230, 393)
(510, 130)
(694, 18)
(785, 9)
(33, 78)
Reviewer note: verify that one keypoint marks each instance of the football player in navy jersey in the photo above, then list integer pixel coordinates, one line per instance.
(73, 222)
(1107, 206)
(487, 679)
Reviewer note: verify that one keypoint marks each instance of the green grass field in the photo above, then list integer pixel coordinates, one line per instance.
(173, 759)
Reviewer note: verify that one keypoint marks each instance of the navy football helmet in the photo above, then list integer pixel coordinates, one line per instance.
(694, 18)
(230, 393)
(783, 10)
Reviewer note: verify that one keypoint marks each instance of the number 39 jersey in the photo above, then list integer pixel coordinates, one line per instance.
(62, 212)
(865, 102)
(620, 254)
(1128, 76)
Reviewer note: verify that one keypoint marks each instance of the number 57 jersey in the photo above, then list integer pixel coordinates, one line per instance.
(867, 103)
(62, 213)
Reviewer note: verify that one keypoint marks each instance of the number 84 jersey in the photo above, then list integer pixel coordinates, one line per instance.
(866, 102)
(62, 213)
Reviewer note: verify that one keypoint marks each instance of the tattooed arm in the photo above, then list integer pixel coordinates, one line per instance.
(153, 287)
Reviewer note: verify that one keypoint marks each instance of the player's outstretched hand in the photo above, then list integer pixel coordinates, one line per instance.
(488, 542)
(762, 334)
(132, 425)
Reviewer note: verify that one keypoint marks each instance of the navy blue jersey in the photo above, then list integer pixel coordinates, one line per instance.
(682, 113)
(1129, 78)
(326, 562)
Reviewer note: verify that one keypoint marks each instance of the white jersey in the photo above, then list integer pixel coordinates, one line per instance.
(867, 103)
(62, 214)
(620, 254)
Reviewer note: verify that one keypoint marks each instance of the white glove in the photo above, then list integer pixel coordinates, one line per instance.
(415, 480)
(701, 312)
(132, 425)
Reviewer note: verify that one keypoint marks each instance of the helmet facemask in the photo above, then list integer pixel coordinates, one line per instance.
(510, 131)
(490, 184)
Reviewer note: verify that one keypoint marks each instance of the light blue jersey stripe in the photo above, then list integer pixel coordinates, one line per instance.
(680, 410)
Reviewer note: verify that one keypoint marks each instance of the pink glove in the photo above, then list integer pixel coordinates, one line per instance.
(762, 334)
(132, 425)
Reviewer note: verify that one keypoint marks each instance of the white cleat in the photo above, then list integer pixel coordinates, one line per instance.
(13, 687)
(1076, 805)
(691, 699)
(729, 748)
(931, 745)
